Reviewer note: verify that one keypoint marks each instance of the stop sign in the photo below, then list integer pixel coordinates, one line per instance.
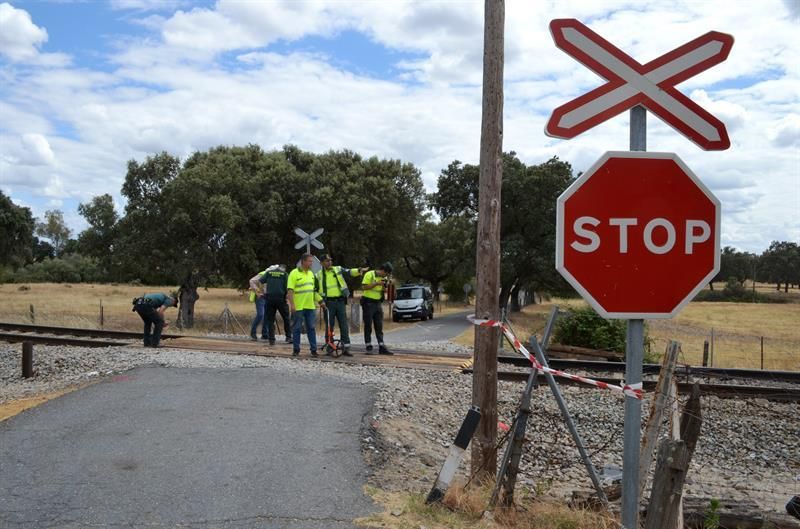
(637, 235)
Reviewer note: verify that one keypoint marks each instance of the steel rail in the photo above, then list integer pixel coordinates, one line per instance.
(777, 394)
(57, 340)
(685, 370)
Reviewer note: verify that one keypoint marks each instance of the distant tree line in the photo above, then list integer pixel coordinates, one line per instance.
(221, 215)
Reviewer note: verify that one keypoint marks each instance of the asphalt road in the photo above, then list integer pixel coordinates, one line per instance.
(439, 328)
(158, 447)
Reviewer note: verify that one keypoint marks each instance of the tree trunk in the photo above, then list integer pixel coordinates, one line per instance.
(786, 287)
(711, 285)
(435, 289)
(188, 297)
(778, 287)
(503, 301)
(515, 306)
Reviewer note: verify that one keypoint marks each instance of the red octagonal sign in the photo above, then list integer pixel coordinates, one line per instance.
(638, 235)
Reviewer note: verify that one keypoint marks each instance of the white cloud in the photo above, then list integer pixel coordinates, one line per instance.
(147, 5)
(170, 91)
(786, 132)
(36, 150)
(20, 38)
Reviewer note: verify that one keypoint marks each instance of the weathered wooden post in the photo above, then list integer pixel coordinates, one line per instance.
(31, 313)
(659, 405)
(102, 317)
(705, 353)
(27, 359)
(672, 465)
(484, 379)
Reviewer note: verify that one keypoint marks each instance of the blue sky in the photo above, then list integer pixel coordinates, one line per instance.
(86, 86)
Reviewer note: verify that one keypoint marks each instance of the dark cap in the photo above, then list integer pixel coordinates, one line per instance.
(387, 267)
(325, 257)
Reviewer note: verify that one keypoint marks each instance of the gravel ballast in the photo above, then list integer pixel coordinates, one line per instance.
(748, 449)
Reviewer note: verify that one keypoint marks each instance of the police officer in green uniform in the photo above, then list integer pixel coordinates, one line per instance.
(150, 308)
(333, 289)
(276, 280)
(374, 283)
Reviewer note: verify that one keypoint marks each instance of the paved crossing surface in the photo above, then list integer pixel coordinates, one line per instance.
(206, 448)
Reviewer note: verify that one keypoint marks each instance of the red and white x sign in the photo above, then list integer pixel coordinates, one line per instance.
(651, 85)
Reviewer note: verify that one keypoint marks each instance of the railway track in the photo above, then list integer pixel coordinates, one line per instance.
(729, 391)
(408, 358)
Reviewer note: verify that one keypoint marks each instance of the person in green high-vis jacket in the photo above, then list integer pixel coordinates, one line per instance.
(332, 287)
(303, 299)
(373, 285)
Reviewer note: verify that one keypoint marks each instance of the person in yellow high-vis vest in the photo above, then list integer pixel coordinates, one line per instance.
(303, 298)
(374, 283)
(333, 289)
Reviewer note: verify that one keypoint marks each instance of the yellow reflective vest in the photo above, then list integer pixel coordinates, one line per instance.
(305, 295)
(334, 281)
(373, 293)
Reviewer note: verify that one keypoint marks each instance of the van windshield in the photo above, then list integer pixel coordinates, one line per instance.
(409, 293)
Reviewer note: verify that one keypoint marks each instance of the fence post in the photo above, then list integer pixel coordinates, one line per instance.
(674, 457)
(27, 359)
(712, 346)
(102, 318)
(762, 353)
(705, 353)
(32, 314)
(659, 405)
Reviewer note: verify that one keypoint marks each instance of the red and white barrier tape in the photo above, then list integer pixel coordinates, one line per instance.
(631, 390)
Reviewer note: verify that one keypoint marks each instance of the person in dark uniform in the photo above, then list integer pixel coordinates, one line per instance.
(150, 308)
(275, 280)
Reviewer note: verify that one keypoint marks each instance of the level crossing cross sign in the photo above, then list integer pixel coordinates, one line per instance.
(630, 83)
(637, 235)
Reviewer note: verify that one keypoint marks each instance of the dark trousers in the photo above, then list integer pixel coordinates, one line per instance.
(337, 311)
(281, 306)
(373, 316)
(153, 324)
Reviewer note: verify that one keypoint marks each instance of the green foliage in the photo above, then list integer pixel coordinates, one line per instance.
(735, 292)
(780, 264)
(98, 240)
(527, 236)
(439, 250)
(226, 213)
(16, 233)
(711, 519)
(583, 327)
(72, 268)
(54, 229)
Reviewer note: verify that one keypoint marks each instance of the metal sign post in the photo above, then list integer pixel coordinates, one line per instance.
(639, 87)
(309, 239)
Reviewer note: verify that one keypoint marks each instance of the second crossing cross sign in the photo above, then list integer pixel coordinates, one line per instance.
(630, 83)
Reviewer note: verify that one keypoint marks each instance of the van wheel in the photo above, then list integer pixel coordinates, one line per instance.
(395, 319)
(430, 315)
(424, 316)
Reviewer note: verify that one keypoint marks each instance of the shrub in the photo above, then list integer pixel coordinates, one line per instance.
(734, 291)
(583, 327)
(71, 268)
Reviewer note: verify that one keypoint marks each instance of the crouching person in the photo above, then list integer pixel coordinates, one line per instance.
(150, 308)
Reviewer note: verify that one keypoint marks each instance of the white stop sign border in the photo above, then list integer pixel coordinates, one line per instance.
(560, 229)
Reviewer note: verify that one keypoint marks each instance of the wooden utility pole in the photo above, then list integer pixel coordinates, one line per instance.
(484, 378)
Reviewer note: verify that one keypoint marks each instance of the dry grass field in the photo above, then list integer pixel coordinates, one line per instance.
(78, 305)
(738, 329)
